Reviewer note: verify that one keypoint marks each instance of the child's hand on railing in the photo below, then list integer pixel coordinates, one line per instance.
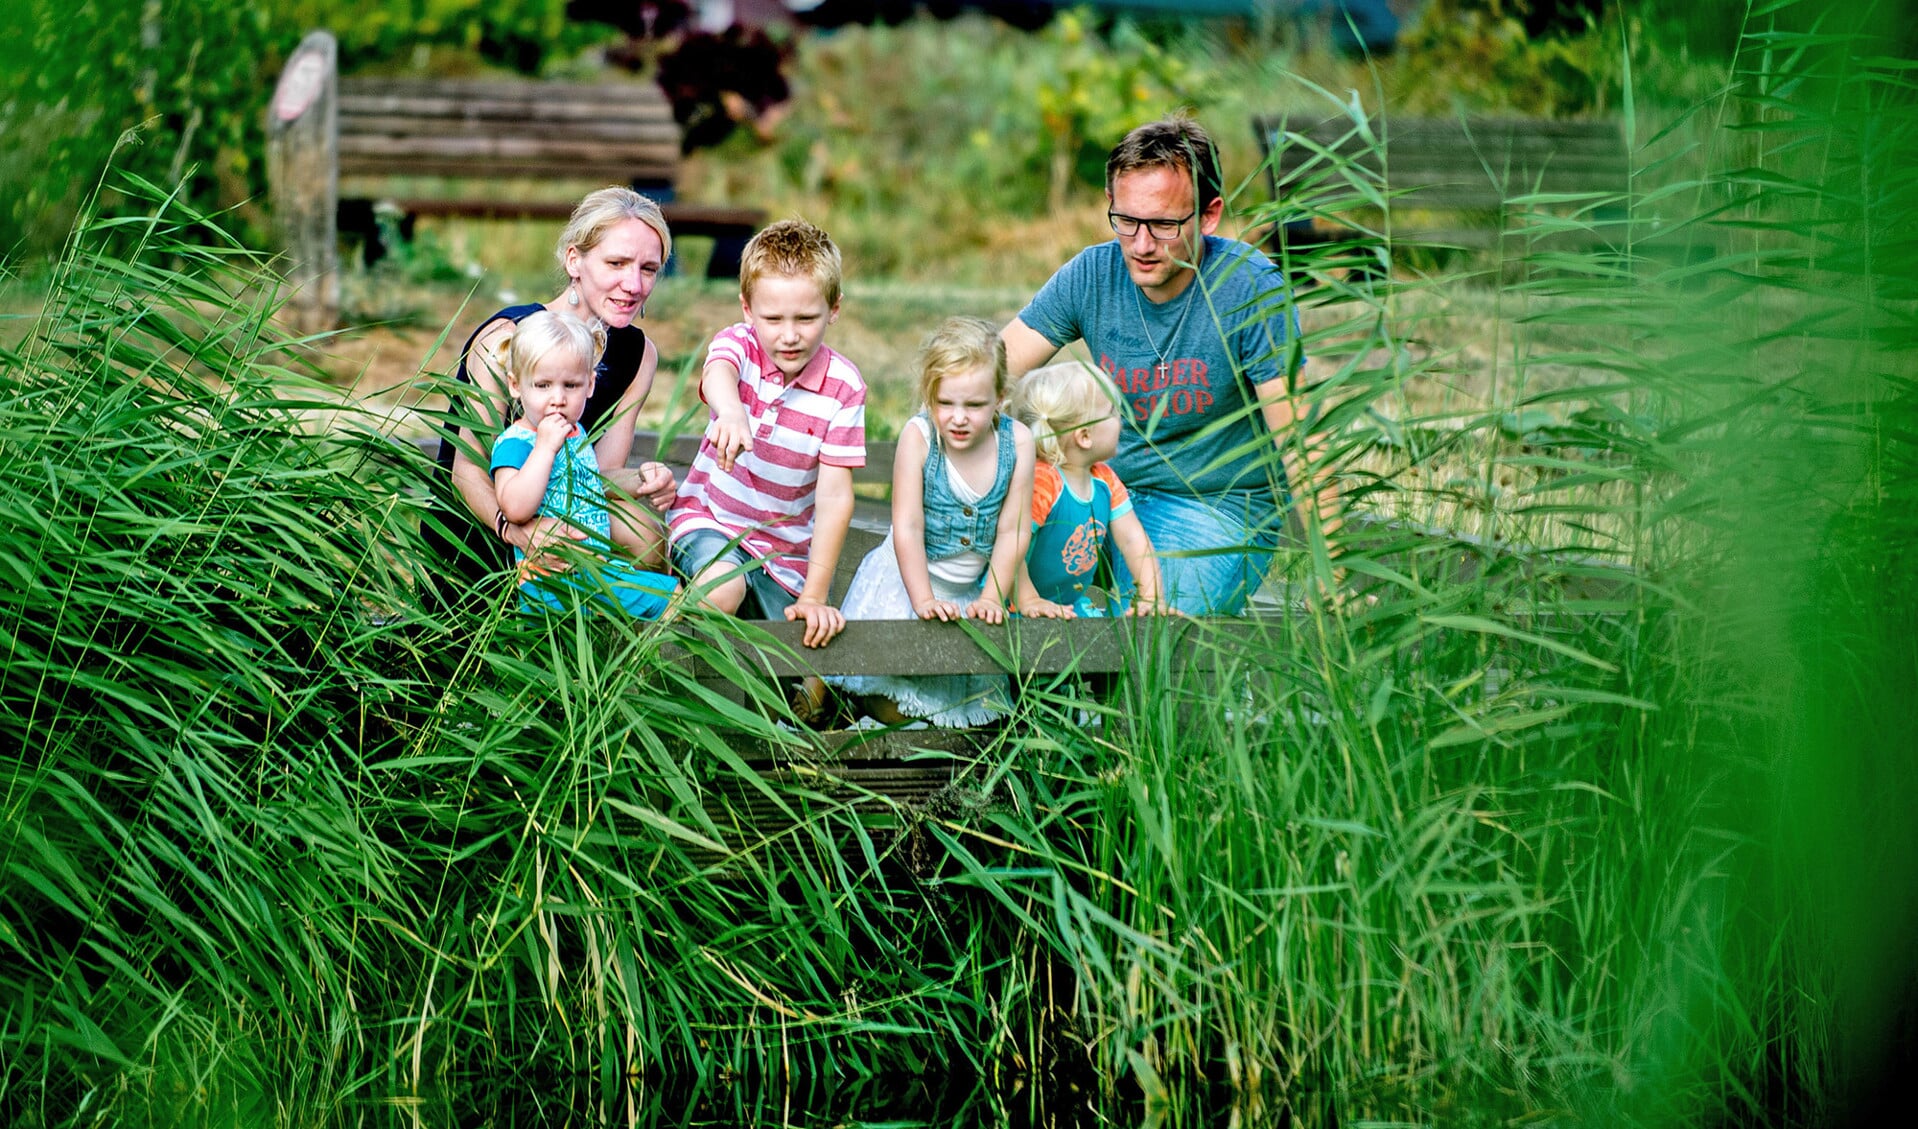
(823, 621)
(1038, 607)
(988, 609)
(943, 610)
(1150, 604)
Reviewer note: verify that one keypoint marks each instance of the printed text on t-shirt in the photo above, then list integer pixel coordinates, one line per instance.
(1184, 384)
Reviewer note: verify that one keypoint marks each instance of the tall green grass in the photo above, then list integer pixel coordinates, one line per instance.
(1553, 837)
(1604, 827)
(279, 836)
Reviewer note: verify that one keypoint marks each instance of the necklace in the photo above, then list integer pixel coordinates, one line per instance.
(1159, 371)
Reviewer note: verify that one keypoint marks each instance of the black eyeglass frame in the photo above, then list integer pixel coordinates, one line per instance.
(1118, 221)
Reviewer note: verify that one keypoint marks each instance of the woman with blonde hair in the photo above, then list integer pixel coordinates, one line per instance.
(611, 251)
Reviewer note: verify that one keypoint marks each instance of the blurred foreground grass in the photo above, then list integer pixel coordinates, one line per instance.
(283, 837)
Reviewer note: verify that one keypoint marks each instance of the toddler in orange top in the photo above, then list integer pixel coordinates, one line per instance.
(1077, 500)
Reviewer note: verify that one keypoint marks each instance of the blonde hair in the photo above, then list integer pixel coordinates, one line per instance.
(604, 209)
(791, 249)
(1057, 400)
(543, 333)
(958, 345)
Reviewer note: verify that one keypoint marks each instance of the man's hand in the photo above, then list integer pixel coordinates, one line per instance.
(823, 621)
(731, 434)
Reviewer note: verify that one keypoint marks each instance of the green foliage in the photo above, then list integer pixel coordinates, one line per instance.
(277, 828)
(1614, 832)
(1096, 89)
(177, 90)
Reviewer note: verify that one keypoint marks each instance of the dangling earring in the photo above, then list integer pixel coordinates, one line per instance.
(572, 295)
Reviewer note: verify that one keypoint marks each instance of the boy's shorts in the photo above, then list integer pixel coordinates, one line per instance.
(702, 548)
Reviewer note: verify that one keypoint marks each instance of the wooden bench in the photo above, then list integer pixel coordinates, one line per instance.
(1458, 183)
(334, 145)
(501, 129)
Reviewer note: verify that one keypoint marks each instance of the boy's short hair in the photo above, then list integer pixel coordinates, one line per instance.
(959, 344)
(601, 210)
(1177, 142)
(1059, 399)
(543, 333)
(791, 249)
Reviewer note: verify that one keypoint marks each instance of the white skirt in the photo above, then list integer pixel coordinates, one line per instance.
(950, 701)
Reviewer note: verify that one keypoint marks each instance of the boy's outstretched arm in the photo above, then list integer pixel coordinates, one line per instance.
(730, 430)
(832, 516)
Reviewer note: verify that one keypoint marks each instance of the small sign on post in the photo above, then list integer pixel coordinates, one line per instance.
(302, 154)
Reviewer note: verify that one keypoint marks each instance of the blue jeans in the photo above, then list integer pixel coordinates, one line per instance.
(698, 550)
(1213, 552)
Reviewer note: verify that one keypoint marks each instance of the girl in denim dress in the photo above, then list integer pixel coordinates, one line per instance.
(961, 492)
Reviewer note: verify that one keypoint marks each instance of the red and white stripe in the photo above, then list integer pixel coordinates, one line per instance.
(817, 417)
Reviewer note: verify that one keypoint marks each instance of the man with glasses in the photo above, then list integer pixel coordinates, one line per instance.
(1196, 331)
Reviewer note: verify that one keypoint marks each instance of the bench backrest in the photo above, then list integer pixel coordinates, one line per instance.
(621, 132)
(1447, 163)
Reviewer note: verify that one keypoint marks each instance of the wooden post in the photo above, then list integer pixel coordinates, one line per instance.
(303, 168)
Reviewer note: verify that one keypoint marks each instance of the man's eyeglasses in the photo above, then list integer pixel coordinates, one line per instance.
(1165, 231)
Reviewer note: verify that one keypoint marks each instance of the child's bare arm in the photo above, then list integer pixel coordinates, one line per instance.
(1032, 604)
(516, 485)
(1015, 529)
(1135, 547)
(909, 526)
(832, 515)
(730, 430)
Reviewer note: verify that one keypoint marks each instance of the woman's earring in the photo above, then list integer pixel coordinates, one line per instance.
(572, 295)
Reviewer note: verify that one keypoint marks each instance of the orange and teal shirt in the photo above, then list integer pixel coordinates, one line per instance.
(1069, 532)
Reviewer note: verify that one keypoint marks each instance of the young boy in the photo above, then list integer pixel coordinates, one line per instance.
(763, 513)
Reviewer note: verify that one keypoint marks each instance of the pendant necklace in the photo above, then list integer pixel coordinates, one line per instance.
(1159, 372)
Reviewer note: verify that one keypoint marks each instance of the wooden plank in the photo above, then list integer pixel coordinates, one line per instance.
(1033, 646)
(610, 132)
(501, 89)
(488, 150)
(684, 219)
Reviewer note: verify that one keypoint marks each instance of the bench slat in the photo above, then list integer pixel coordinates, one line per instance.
(1435, 165)
(684, 219)
(482, 153)
(353, 130)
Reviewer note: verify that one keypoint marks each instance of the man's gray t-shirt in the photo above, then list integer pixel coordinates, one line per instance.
(1185, 369)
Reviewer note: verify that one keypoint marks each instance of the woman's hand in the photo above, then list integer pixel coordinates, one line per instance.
(656, 485)
(944, 611)
(539, 537)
